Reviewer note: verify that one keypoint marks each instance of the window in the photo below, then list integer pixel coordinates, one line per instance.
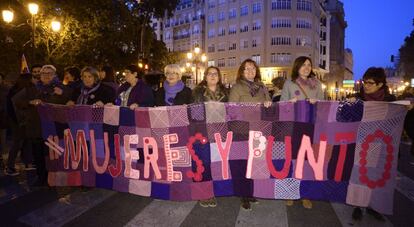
(210, 18)
(232, 13)
(281, 22)
(211, 4)
(280, 40)
(256, 58)
(281, 58)
(221, 47)
(244, 44)
(232, 46)
(257, 7)
(303, 23)
(231, 61)
(282, 74)
(244, 27)
(221, 62)
(221, 16)
(304, 5)
(244, 10)
(257, 25)
(210, 63)
(196, 29)
(232, 29)
(222, 31)
(254, 43)
(221, 2)
(211, 48)
(211, 33)
(281, 4)
(303, 41)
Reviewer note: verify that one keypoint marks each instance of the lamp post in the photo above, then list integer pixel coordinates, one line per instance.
(33, 9)
(196, 57)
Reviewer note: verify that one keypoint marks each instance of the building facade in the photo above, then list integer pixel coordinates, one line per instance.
(271, 32)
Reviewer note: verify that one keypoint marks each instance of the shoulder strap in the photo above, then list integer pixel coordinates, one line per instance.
(303, 90)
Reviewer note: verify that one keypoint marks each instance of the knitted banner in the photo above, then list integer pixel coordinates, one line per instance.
(333, 151)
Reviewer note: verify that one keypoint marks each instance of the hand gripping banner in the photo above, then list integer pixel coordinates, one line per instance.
(334, 151)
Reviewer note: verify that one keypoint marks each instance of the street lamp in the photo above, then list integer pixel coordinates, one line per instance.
(33, 9)
(56, 25)
(7, 16)
(196, 57)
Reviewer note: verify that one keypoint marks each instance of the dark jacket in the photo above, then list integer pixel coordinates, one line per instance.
(387, 97)
(201, 94)
(141, 94)
(46, 93)
(3, 106)
(182, 97)
(104, 94)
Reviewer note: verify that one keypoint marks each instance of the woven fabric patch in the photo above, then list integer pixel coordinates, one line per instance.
(197, 112)
(82, 113)
(221, 128)
(178, 116)
(140, 187)
(111, 115)
(287, 188)
(286, 111)
(350, 111)
(215, 112)
(159, 117)
(374, 111)
(278, 150)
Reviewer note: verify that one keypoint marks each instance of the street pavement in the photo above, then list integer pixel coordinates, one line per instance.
(22, 205)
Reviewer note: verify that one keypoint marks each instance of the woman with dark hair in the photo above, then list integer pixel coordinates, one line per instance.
(107, 76)
(173, 92)
(134, 92)
(249, 86)
(71, 77)
(374, 88)
(304, 84)
(278, 83)
(211, 87)
(92, 91)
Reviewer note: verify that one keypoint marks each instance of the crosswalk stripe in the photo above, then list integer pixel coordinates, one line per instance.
(344, 214)
(13, 191)
(163, 213)
(57, 213)
(266, 213)
(405, 186)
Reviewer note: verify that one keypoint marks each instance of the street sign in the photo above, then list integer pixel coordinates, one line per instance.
(348, 83)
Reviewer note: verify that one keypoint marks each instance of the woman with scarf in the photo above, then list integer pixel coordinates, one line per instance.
(249, 88)
(304, 84)
(173, 92)
(92, 91)
(134, 92)
(210, 88)
(374, 88)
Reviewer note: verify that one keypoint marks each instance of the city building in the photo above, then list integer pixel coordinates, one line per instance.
(271, 32)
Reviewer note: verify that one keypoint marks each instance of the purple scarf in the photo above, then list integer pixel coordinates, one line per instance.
(376, 96)
(254, 87)
(311, 82)
(86, 94)
(171, 91)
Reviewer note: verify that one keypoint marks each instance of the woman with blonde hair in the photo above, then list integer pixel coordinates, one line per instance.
(173, 92)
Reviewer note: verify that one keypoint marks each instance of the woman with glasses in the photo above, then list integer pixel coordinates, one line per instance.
(304, 85)
(210, 88)
(173, 92)
(249, 88)
(374, 88)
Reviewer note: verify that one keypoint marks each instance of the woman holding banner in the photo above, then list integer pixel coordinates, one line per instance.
(303, 86)
(173, 92)
(210, 88)
(249, 88)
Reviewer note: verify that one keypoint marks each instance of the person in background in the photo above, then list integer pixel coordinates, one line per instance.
(71, 77)
(278, 83)
(3, 118)
(18, 123)
(92, 91)
(374, 88)
(303, 86)
(210, 88)
(134, 92)
(35, 70)
(107, 76)
(173, 92)
(249, 88)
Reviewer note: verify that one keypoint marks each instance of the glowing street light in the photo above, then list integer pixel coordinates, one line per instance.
(56, 25)
(196, 58)
(33, 8)
(7, 16)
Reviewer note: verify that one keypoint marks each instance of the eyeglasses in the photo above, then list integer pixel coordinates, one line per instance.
(365, 82)
(212, 74)
(47, 73)
(171, 74)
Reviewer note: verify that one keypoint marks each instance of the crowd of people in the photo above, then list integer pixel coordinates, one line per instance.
(91, 86)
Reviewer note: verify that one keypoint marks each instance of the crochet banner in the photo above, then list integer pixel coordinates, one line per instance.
(333, 151)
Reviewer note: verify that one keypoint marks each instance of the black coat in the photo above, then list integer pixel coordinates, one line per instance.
(182, 97)
(104, 94)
